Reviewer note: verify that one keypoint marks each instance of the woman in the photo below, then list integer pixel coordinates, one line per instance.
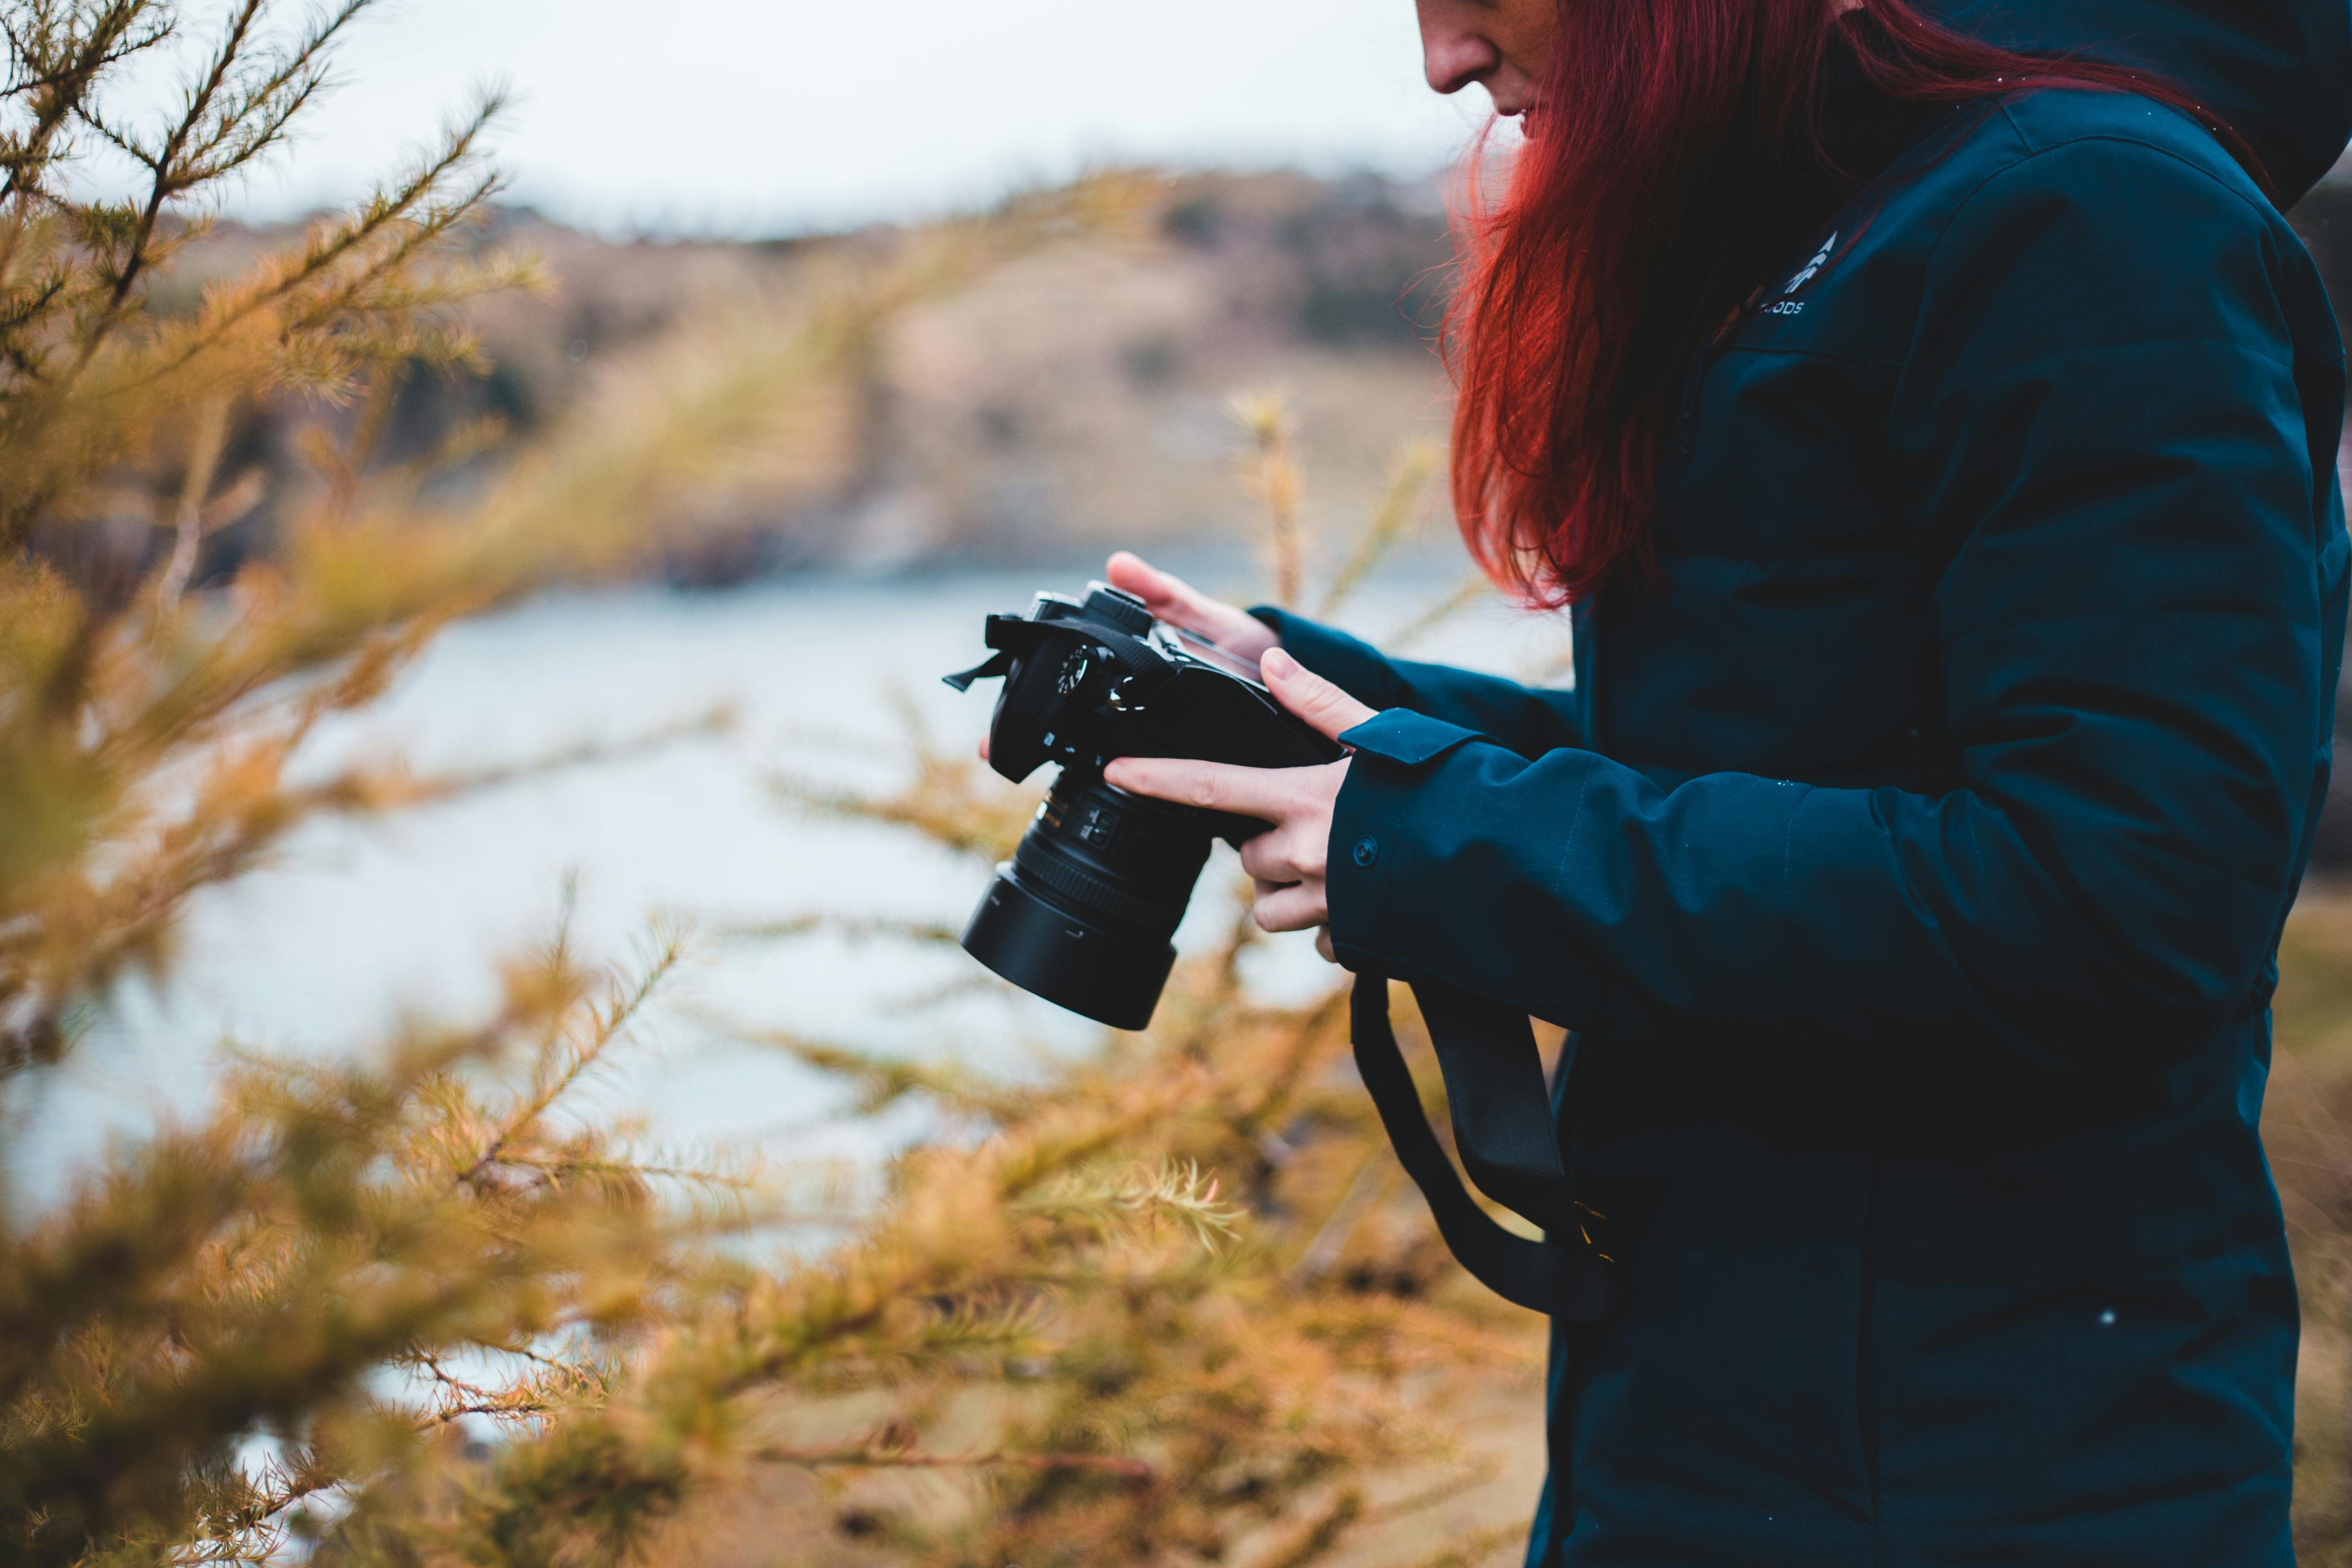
(1935, 445)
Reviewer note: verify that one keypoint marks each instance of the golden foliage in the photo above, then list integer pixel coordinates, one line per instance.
(146, 730)
(299, 1309)
(1163, 1304)
(421, 1307)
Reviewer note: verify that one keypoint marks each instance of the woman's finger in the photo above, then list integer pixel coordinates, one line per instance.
(1323, 945)
(1301, 908)
(1164, 594)
(1273, 858)
(1292, 852)
(1267, 793)
(1171, 599)
(1312, 697)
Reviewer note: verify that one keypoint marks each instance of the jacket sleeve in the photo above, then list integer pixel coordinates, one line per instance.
(1529, 720)
(2099, 426)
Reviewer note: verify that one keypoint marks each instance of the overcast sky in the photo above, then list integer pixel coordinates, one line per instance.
(752, 116)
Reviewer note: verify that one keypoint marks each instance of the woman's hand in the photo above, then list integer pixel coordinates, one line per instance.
(1288, 860)
(1177, 602)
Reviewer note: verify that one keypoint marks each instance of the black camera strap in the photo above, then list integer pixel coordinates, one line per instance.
(1012, 635)
(1504, 1131)
(988, 668)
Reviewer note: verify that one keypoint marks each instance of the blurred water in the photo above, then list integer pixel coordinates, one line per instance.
(357, 924)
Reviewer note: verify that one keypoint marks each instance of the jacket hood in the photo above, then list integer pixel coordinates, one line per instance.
(2278, 70)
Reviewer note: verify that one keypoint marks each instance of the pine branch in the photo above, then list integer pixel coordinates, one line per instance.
(871, 1457)
(1138, 1202)
(566, 1060)
(1365, 1189)
(1400, 507)
(168, 176)
(62, 73)
(286, 278)
(1473, 589)
(854, 928)
(882, 1081)
(1272, 476)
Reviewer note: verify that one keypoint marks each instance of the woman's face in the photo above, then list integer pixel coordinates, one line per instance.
(1501, 44)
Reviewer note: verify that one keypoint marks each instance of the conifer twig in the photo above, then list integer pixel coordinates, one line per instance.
(1364, 1190)
(1318, 1536)
(1471, 590)
(1400, 505)
(1183, 1196)
(622, 1004)
(1272, 476)
(867, 1457)
(853, 928)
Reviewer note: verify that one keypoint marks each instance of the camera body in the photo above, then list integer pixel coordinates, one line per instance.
(1084, 912)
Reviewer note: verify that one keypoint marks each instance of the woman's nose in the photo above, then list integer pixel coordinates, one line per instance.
(1453, 51)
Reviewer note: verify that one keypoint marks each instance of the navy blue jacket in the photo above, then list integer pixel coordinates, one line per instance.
(1911, 854)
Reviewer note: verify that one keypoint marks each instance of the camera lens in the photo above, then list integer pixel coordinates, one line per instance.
(1083, 913)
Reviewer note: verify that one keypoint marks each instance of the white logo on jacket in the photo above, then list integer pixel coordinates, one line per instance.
(1812, 267)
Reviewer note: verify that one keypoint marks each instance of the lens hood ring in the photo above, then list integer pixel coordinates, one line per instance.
(1092, 894)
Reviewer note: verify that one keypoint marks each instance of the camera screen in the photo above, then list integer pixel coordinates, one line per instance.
(1207, 652)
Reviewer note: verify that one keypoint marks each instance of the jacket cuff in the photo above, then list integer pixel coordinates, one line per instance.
(1379, 875)
(1401, 735)
(1355, 667)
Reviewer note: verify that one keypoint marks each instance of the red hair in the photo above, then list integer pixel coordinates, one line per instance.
(1676, 157)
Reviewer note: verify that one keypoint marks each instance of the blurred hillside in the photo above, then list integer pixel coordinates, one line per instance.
(1076, 399)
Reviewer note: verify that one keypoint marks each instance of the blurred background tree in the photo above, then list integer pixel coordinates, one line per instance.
(409, 1305)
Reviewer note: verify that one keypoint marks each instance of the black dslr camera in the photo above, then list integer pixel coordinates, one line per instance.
(1083, 913)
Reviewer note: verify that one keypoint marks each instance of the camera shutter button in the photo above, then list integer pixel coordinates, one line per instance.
(1367, 850)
